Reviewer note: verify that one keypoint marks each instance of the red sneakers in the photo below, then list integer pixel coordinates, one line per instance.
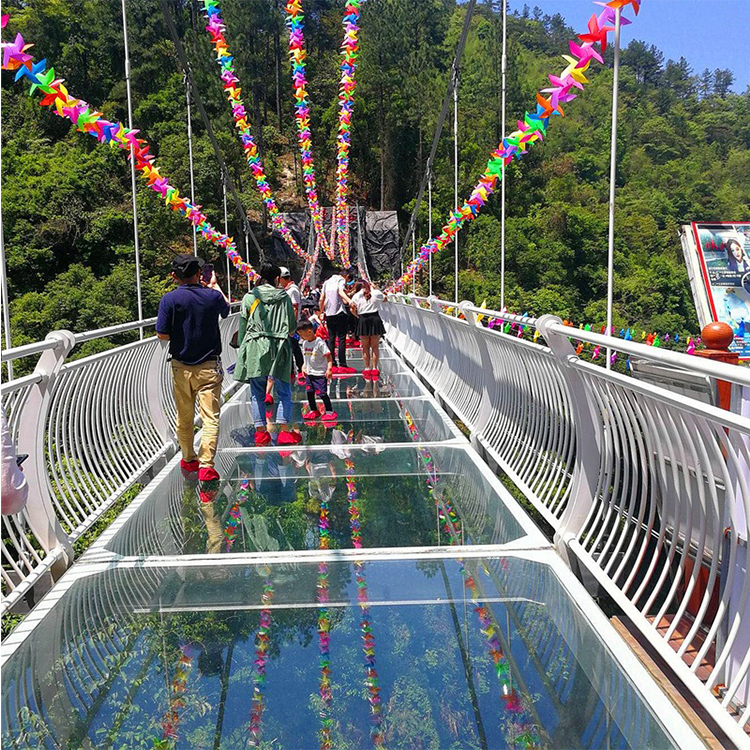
(287, 437)
(207, 474)
(310, 415)
(346, 370)
(189, 466)
(374, 374)
(330, 416)
(262, 437)
(269, 399)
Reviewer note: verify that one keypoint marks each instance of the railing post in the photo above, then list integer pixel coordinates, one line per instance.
(587, 430)
(717, 337)
(153, 394)
(31, 439)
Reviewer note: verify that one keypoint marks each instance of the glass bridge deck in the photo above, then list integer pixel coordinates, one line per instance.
(376, 586)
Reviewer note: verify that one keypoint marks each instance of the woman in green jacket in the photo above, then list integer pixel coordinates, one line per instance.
(266, 321)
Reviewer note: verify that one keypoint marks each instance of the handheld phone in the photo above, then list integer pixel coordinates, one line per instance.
(206, 272)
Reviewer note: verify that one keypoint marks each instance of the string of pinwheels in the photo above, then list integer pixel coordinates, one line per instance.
(372, 680)
(324, 629)
(88, 120)
(533, 129)
(262, 641)
(216, 28)
(525, 730)
(297, 52)
(171, 720)
(297, 56)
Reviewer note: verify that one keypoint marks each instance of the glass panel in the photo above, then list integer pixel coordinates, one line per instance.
(382, 420)
(404, 654)
(271, 500)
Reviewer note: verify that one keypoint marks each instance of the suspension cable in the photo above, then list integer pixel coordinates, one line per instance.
(441, 120)
(242, 214)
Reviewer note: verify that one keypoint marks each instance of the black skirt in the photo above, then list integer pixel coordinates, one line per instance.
(370, 324)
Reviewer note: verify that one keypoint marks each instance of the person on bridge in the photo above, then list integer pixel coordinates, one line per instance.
(267, 320)
(333, 307)
(294, 294)
(365, 305)
(189, 319)
(317, 371)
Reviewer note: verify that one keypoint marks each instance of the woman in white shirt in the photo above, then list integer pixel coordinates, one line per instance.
(365, 305)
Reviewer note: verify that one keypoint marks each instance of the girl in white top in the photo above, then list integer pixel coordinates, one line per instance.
(366, 304)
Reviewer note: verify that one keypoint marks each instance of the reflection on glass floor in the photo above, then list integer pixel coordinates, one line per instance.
(486, 653)
(271, 500)
(381, 421)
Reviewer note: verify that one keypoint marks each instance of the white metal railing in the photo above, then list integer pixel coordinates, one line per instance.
(92, 427)
(646, 488)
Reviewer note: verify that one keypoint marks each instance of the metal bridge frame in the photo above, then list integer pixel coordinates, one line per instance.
(646, 488)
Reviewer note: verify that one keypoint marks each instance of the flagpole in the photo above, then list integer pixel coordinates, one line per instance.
(4, 291)
(190, 158)
(502, 173)
(455, 172)
(429, 225)
(132, 170)
(612, 179)
(226, 232)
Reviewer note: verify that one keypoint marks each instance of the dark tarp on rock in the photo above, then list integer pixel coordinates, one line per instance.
(380, 241)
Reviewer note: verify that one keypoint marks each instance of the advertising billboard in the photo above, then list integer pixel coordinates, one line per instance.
(718, 258)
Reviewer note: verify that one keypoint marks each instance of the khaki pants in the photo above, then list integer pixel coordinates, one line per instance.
(204, 381)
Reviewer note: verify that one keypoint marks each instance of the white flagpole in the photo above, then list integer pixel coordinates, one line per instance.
(612, 178)
(502, 174)
(190, 157)
(226, 232)
(429, 224)
(455, 176)
(132, 170)
(4, 291)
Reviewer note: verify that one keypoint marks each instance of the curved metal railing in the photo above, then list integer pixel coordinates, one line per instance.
(93, 427)
(646, 485)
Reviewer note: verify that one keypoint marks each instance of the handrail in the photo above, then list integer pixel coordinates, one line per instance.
(646, 487)
(37, 347)
(91, 427)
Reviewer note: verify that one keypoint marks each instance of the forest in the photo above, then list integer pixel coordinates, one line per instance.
(683, 154)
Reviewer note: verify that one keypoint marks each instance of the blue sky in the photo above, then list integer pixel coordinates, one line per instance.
(708, 33)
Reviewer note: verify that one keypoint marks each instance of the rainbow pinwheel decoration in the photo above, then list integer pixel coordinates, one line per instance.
(295, 21)
(372, 680)
(230, 82)
(171, 719)
(347, 84)
(261, 657)
(87, 120)
(532, 129)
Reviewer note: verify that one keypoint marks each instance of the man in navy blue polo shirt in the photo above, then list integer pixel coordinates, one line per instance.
(189, 319)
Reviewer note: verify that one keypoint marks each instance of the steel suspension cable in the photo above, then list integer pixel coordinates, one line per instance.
(241, 213)
(441, 121)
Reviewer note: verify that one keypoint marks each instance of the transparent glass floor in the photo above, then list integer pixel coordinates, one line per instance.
(274, 500)
(374, 586)
(439, 653)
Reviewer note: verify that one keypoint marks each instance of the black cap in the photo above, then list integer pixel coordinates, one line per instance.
(186, 266)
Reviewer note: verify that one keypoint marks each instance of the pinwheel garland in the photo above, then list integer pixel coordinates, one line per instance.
(347, 84)
(234, 518)
(372, 680)
(295, 21)
(531, 130)
(87, 120)
(230, 82)
(261, 657)
(171, 720)
(324, 631)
